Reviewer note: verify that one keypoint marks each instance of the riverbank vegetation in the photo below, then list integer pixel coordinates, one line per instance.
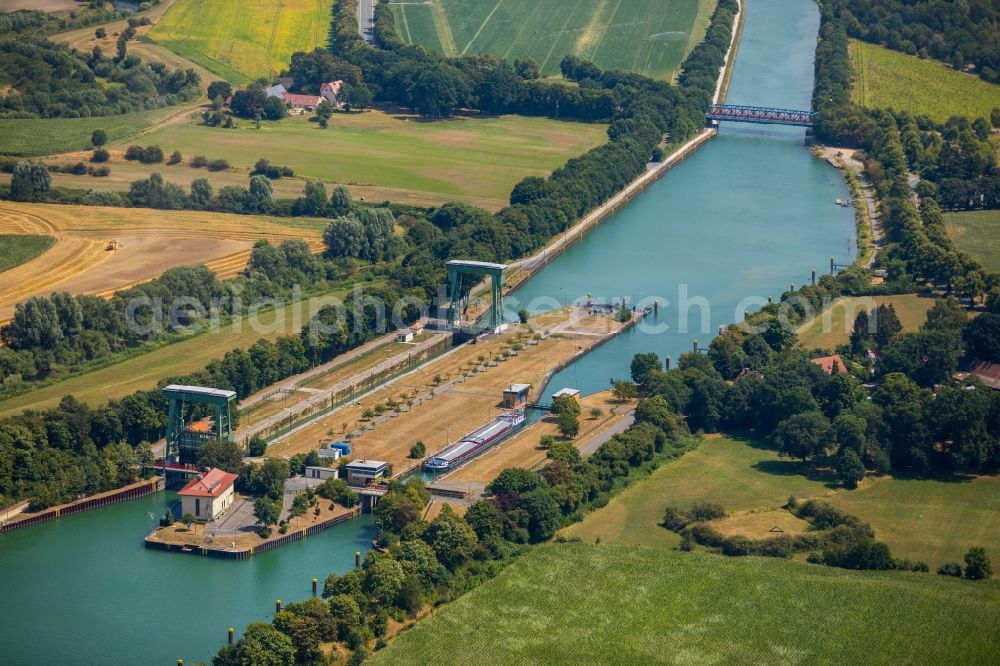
(886, 79)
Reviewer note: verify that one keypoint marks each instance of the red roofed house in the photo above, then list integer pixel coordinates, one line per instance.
(329, 91)
(832, 365)
(296, 101)
(207, 496)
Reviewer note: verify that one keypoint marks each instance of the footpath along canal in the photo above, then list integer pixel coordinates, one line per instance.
(744, 216)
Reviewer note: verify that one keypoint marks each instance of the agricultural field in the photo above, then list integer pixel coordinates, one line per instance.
(737, 474)
(977, 233)
(889, 79)
(379, 156)
(192, 353)
(17, 249)
(147, 242)
(833, 326)
(579, 603)
(242, 41)
(649, 37)
(934, 520)
(45, 136)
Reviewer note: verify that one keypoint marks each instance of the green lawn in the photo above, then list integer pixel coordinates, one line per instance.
(833, 326)
(15, 249)
(401, 158)
(930, 520)
(583, 604)
(978, 234)
(241, 41)
(727, 471)
(44, 136)
(890, 79)
(650, 37)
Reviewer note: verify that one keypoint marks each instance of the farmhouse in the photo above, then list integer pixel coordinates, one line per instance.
(208, 495)
(832, 365)
(986, 372)
(330, 91)
(305, 102)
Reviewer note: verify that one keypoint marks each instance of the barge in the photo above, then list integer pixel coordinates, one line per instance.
(476, 441)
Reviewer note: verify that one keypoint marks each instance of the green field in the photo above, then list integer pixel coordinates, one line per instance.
(650, 37)
(44, 136)
(17, 249)
(978, 234)
(930, 520)
(583, 604)
(723, 470)
(833, 326)
(384, 156)
(142, 372)
(241, 41)
(889, 79)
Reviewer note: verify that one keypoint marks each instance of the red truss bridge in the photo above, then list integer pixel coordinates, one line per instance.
(760, 114)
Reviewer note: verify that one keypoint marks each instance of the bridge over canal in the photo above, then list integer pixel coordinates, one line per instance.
(761, 115)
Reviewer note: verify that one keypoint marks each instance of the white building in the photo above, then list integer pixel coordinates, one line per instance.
(366, 472)
(330, 91)
(321, 473)
(208, 495)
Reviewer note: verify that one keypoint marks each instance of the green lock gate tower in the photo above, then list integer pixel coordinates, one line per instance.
(184, 438)
(458, 268)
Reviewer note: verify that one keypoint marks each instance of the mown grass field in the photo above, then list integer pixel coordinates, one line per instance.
(241, 41)
(977, 233)
(650, 37)
(936, 521)
(171, 360)
(583, 604)
(890, 79)
(16, 249)
(44, 136)
(723, 470)
(833, 326)
(380, 156)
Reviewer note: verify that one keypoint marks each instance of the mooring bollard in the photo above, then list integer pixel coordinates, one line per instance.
(694, 346)
(315, 585)
(180, 662)
(277, 606)
(668, 362)
(814, 277)
(357, 559)
(232, 632)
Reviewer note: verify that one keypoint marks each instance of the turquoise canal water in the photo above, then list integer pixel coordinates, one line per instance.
(740, 220)
(743, 217)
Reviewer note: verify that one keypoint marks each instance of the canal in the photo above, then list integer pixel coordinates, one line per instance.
(742, 218)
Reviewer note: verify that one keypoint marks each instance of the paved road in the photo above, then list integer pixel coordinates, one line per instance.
(366, 20)
(595, 442)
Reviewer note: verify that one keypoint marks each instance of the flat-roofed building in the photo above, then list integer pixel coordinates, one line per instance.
(366, 472)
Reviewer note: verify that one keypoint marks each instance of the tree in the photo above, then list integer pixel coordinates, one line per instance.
(947, 314)
(977, 564)
(188, 520)
(383, 578)
(418, 450)
(201, 192)
(543, 511)
(396, 510)
(314, 201)
(346, 613)
(513, 481)
(223, 454)
(266, 510)
(219, 90)
(100, 33)
(596, 412)
(263, 645)
(527, 69)
(345, 237)
(565, 403)
(643, 365)
(340, 201)
(569, 424)
(100, 155)
(523, 315)
(950, 569)
(323, 113)
(451, 538)
(887, 324)
(803, 435)
(98, 138)
(260, 193)
(29, 181)
(850, 469)
(982, 335)
(624, 390)
(850, 432)
(269, 479)
(249, 103)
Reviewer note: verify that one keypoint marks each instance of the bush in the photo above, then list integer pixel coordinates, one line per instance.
(175, 157)
(134, 153)
(702, 511)
(217, 165)
(78, 169)
(862, 554)
(198, 161)
(418, 450)
(100, 155)
(99, 172)
(257, 446)
(674, 519)
(950, 569)
(977, 564)
(99, 137)
(151, 155)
